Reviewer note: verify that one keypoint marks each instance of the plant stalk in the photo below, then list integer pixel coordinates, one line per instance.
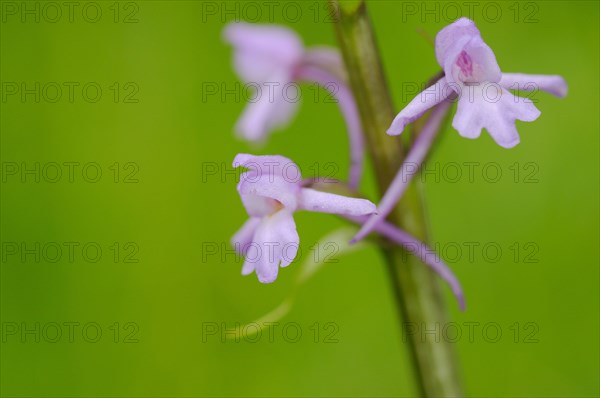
(416, 289)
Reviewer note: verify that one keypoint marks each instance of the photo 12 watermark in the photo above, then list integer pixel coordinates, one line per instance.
(454, 252)
(271, 332)
(289, 12)
(488, 92)
(70, 172)
(69, 12)
(488, 11)
(449, 172)
(472, 332)
(68, 252)
(89, 332)
(88, 92)
(225, 172)
(272, 92)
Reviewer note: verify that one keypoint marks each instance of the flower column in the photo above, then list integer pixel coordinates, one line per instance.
(416, 290)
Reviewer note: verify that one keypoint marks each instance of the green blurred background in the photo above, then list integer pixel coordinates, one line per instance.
(161, 130)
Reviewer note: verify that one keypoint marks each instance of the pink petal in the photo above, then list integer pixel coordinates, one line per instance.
(324, 202)
(451, 34)
(553, 84)
(489, 106)
(248, 267)
(427, 99)
(276, 243)
(272, 182)
(268, 194)
(243, 236)
(257, 204)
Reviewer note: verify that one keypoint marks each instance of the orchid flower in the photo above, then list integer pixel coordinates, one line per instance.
(272, 58)
(470, 70)
(271, 191)
(484, 99)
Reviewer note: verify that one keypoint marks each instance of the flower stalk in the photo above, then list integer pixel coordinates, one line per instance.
(415, 285)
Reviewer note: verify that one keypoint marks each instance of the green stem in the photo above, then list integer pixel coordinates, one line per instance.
(416, 288)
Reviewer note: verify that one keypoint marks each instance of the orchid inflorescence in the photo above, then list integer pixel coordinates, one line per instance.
(275, 54)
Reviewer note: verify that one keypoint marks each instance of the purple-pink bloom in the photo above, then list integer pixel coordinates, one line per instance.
(272, 60)
(484, 100)
(271, 191)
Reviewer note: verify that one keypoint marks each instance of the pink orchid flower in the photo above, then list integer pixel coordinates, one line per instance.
(470, 70)
(484, 99)
(271, 59)
(271, 192)
(265, 54)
